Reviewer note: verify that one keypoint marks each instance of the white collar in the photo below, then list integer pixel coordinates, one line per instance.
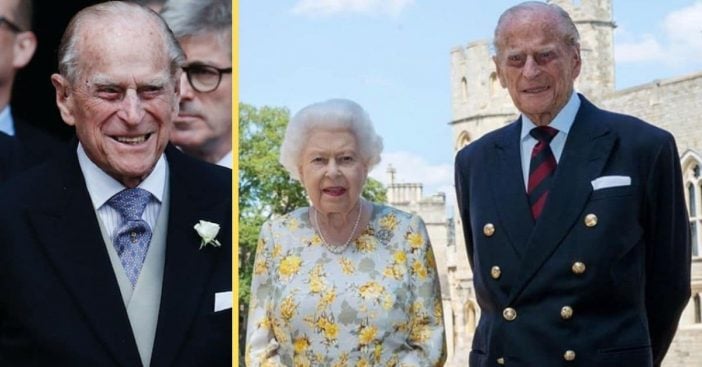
(563, 120)
(102, 186)
(226, 161)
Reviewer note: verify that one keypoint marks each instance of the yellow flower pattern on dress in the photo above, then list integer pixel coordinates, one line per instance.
(388, 222)
(287, 308)
(367, 335)
(347, 266)
(301, 344)
(365, 243)
(310, 307)
(415, 240)
(289, 266)
(277, 250)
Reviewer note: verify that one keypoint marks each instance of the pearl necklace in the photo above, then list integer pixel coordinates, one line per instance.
(338, 249)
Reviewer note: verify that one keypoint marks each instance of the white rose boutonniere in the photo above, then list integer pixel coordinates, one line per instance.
(207, 232)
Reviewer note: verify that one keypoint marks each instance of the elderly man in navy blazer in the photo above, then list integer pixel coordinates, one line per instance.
(110, 254)
(574, 217)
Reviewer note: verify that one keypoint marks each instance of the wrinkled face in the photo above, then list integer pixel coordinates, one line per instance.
(123, 101)
(204, 123)
(332, 171)
(536, 66)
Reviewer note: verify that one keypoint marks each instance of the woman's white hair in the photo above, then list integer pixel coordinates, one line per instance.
(334, 114)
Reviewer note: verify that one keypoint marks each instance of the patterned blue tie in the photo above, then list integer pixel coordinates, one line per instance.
(131, 239)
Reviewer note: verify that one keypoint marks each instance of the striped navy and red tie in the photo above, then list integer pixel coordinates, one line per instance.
(541, 168)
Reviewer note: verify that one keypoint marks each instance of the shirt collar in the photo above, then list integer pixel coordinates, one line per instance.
(7, 125)
(563, 121)
(226, 161)
(102, 186)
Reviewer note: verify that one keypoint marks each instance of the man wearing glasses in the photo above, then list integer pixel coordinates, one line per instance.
(204, 125)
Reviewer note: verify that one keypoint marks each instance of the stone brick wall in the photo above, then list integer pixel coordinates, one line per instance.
(686, 350)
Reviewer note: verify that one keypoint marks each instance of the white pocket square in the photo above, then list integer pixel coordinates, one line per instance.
(610, 181)
(223, 301)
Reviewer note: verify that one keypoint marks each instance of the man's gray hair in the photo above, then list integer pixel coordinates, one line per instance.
(331, 115)
(195, 17)
(68, 53)
(568, 30)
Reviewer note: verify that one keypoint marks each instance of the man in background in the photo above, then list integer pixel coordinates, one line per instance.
(203, 127)
(17, 46)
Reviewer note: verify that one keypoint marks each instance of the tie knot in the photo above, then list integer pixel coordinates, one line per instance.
(130, 203)
(543, 133)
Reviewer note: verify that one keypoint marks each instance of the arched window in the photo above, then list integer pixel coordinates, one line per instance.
(463, 140)
(464, 89)
(692, 176)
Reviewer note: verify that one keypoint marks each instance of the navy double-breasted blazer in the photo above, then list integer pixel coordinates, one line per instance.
(601, 278)
(60, 304)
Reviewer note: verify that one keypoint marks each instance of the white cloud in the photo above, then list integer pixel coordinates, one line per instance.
(412, 168)
(322, 8)
(646, 49)
(679, 44)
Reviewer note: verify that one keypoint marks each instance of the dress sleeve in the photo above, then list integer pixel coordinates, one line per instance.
(426, 337)
(261, 344)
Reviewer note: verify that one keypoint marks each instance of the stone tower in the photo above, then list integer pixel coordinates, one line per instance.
(596, 26)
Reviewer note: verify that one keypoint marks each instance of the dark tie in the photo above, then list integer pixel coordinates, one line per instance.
(541, 168)
(131, 239)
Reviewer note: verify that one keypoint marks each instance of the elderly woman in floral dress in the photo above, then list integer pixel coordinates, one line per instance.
(344, 282)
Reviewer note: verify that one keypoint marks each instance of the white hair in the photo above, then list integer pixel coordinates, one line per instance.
(334, 114)
(567, 29)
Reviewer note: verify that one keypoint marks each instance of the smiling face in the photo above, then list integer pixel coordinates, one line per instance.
(536, 65)
(332, 171)
(124, 99)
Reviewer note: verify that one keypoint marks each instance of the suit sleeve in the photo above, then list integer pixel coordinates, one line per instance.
(261, 345)
(463, 198)
(668, 249)
(426, 336)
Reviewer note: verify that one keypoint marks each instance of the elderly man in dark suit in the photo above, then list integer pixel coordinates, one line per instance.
(111, 254)
(574, 217)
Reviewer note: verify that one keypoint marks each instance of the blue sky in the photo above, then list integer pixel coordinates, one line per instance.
(392, 57)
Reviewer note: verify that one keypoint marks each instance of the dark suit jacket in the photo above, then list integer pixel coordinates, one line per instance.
(636, 280)
(9, 156)
(60, 304)
(38, 144)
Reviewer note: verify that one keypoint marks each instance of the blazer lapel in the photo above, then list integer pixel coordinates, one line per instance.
(69, 232)
(585, 153)
(187, 268)
(508, 190)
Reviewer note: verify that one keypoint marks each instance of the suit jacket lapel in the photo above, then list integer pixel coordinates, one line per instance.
(585, 153)
(508, 190)
(187, 268)
(69, 232)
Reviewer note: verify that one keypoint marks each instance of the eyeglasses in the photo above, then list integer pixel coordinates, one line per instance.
(204, 78)
(13, 27)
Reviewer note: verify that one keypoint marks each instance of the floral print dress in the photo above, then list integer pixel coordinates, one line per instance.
(376, 304)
